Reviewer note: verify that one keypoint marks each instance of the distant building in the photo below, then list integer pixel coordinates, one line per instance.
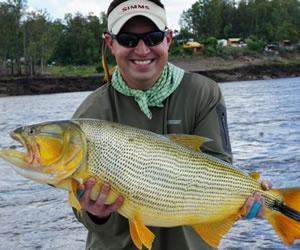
(195, 46)
(235, 42)
(271, 47)
(222, 42)
(286, 43)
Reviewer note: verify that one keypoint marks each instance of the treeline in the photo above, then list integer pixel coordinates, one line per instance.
(269, 20)
(31, 40)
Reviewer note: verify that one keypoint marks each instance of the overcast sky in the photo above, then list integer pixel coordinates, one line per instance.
(58, 8)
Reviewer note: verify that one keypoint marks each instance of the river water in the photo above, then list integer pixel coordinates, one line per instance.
(264, 124)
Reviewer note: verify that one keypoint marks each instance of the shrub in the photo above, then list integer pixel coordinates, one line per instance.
(188, 51)
(211, 42)
(99, 68)
(211, 51)
(176, 50)
(256, 46)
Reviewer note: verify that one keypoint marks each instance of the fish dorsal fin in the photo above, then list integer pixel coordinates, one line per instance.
(141, 235)
(255, 175)
(212, 233)
(192, 142)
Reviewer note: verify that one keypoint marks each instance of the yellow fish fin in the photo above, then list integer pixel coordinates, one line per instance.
(141, 234)
(255, 175)
(73, 200)
(243, 210)
(287, 229)
(192, 142)
(134, 236)
(213, 233)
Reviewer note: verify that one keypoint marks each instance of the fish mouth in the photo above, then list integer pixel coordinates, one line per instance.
(25, 159)
(52, 151)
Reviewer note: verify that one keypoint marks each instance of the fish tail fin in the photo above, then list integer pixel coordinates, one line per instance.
(284, 214)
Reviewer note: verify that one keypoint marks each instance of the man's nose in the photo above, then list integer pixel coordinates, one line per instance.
(141, 48)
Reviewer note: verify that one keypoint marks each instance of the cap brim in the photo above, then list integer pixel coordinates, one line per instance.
(121, 22)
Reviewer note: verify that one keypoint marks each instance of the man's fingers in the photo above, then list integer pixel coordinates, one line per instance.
(88, 185)
(98, 207)
(257, 197)
(255, 206)
(249, 204)
(261, 211)
(81, 186)
(102, 196)
(114, 206)
(117, 204)
(266, 185)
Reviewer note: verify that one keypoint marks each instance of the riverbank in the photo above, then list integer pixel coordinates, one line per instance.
(219, 69)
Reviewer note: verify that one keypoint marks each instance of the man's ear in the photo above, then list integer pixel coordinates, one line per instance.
(169, 38)
(109, 42)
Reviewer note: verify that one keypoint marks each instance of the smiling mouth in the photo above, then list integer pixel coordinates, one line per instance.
(139, 62)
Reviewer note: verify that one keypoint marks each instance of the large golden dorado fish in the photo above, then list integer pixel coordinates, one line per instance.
(166, 181)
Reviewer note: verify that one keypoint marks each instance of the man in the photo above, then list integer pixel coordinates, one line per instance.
(149, 93)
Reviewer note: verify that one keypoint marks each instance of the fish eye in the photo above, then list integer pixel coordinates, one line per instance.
(30, 131)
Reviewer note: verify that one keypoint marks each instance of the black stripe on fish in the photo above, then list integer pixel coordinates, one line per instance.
(286, 210)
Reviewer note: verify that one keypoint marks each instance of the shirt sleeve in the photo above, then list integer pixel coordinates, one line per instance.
(211, 122)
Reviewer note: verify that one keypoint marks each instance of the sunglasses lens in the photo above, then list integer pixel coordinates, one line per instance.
(154, 38)
(130, 40)
(127, 40)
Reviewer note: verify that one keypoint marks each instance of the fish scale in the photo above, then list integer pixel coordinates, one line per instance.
(142, 164)
(165, 180)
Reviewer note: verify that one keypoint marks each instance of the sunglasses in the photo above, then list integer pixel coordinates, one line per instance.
(130, 40)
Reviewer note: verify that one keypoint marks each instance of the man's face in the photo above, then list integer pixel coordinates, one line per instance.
(140, 66)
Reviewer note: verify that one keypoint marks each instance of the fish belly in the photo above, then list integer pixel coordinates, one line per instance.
(163, 183)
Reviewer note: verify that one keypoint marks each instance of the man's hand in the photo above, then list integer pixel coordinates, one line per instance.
(257, 198)
(98, 208)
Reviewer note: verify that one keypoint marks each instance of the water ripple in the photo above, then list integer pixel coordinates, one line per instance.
(264, 123)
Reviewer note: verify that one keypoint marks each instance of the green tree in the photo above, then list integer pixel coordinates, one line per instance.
(18, 7)
(11, 13)
(203, 18)
(211, 44)
(41, 39)
(80, 43)
(6, 34)
(270, 20)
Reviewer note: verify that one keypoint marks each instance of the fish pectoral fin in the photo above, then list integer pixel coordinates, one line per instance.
(213, 233)
(73, 200)
(255, 175)
(141, 235)
(192, 142)
(134, 236)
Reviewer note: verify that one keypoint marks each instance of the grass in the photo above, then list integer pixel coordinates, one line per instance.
(69, 70)
(228, 53)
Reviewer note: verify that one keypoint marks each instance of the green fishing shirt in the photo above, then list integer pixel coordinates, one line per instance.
(196, 107)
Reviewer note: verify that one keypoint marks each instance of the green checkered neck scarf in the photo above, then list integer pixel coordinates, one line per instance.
(168, 81)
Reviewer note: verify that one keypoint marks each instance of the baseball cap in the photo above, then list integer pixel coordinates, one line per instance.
(131, 8)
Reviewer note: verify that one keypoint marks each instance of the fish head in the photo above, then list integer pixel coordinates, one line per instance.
(53, 151)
